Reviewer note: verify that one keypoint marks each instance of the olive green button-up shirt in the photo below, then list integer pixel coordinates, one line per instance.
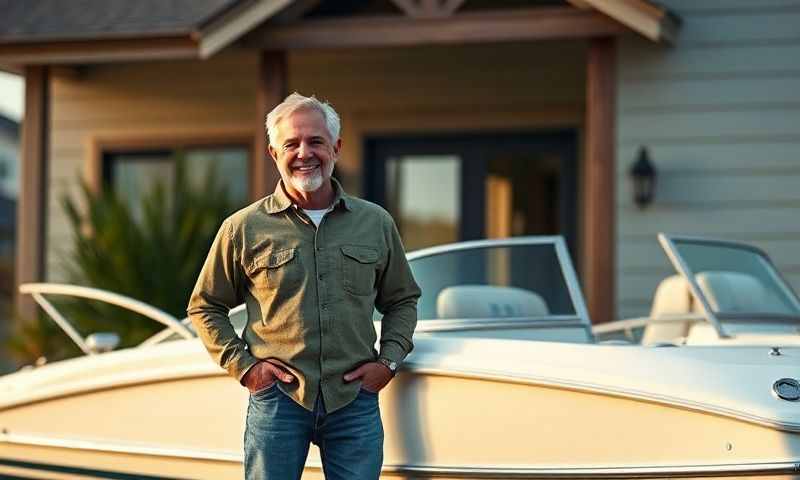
(309, 292)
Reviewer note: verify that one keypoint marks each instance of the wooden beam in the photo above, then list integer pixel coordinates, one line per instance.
(599, 232)
(467, 27)
(98, 51)
(32, 200)
(271, 90)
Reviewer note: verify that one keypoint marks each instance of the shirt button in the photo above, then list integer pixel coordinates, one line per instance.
(321, 276)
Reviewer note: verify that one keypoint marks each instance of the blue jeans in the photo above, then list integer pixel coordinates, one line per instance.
(279, 432)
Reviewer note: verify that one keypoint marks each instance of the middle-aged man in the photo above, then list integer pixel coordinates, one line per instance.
(310, 263)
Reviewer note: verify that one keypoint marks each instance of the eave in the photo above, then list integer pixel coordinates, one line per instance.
(234, 23)
(96, 51)
(649, 20)
(202, 42)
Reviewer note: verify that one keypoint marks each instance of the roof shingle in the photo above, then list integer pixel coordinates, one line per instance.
(49, 20)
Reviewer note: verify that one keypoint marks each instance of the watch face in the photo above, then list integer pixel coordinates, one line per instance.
(389, 364)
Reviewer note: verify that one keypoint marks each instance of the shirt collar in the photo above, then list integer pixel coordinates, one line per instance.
(280, 201)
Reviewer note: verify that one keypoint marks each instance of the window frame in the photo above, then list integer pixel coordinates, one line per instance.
(101, 147)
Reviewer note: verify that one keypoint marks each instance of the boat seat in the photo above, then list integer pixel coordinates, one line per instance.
(672, 299)
(726, 291)
(488, 301)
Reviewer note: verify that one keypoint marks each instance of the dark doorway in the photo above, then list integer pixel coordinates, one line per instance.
(446, 188)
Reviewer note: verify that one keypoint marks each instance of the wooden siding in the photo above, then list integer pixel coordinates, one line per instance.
(136, 100)
(426, 90)
(721, 114)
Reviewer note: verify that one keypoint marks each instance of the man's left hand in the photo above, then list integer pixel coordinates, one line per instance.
(374, 376)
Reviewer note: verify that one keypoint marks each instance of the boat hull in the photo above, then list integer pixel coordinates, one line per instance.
(438, 424)
(27, 461)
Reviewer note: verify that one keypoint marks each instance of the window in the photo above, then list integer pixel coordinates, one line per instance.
(134, 174)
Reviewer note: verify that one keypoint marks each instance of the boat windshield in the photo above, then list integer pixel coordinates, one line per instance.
(732, 281)
(529, 278)
(526, 278)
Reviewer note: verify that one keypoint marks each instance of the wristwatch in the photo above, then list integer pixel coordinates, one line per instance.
(391, 365)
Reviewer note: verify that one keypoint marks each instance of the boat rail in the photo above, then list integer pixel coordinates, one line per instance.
(39, 290)
(629, 324)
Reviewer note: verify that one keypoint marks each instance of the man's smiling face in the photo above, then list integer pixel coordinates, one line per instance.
(304, 151)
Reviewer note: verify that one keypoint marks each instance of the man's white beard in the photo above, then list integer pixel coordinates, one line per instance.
(307, 184)
(314, 182)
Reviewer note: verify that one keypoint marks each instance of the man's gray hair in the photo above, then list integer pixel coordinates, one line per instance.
(295, 102)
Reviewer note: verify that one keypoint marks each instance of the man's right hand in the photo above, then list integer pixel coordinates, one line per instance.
(263, 374)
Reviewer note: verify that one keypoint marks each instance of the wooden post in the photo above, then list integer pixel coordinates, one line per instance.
(599, 204)
(271, 90)
(32, 203)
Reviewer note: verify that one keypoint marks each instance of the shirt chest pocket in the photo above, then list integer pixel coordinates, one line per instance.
(277, 269)
(359, 269)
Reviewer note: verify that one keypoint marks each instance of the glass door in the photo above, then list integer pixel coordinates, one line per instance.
(448, 188)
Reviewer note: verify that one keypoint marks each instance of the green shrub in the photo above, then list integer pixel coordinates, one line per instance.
(154, 258)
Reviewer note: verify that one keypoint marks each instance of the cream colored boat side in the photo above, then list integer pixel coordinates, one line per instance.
(558, 407)
(734, 382)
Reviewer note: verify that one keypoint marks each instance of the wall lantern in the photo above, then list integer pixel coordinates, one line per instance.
(643, 173)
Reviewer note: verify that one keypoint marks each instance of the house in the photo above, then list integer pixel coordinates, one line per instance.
(466, 118)
(9, 152)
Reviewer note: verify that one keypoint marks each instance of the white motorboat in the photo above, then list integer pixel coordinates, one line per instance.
(506, 381)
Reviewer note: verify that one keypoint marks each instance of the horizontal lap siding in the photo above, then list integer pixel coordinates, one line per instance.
(424, 79)
(186, 98)
(720, 114)
(429, 90)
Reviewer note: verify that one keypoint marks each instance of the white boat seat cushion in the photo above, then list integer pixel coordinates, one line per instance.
(488, 301)
(672, 298)
(726, 291)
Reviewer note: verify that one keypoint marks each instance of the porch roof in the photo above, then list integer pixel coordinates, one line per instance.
(58, 20)
(92, 31)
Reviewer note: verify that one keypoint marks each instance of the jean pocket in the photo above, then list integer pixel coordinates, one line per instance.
(368, 392)
(264, 390)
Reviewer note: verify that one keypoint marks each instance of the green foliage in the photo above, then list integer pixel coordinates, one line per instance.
(36, 338)
(152, 252)
(154, 258)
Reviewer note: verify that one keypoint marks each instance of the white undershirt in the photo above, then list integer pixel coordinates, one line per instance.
(316, 215)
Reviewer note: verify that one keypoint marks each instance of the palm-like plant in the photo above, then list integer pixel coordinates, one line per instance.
(154, 257)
